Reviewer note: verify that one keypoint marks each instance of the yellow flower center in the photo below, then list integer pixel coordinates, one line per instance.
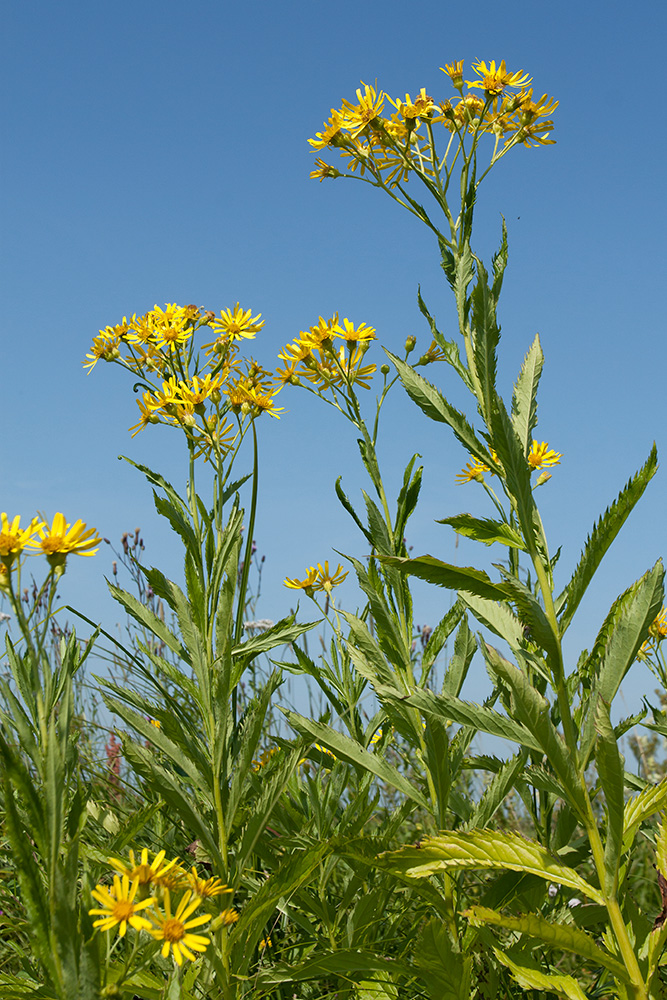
(173, 930)
(123, 910)
(171, 335)
(54, 543)
(9, 542)
(142, 873)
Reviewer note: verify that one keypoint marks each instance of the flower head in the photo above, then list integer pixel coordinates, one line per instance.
(205, 888)
(143, 872)
(472, 470)
(63, 539)
(357, 116)
(494, 81)
(455, 73)
(307, 584)
(238, 323)
(118, 906)
(13, 539)
(541, 455)
(326, 580)
(174, 931)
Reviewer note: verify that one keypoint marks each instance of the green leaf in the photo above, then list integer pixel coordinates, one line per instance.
(485, 338)
(651, 800)
(484, 529)
(564, 937)
(449, 348)
(524, 399)
(435, 406)
(603, 534)
(437, 640)
(610, 769)
(499, 263)
(476, 581)
(343, 963)
(456, 671)
(442, 966)
(531, 977)
(496, 792)
(283, 633)
(342, 496)
(349, 750)
(150, 621)
(480, 850)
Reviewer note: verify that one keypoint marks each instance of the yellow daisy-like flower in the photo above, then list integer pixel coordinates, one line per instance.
(104, 348)
(541, 455)
(238, 323)
(174, 931)
(323, 170)
(421, 107)
(326, 580)
(331, 130)
(148, 414)
(228, 916)
(142, 871)
(357, 116)
(205, 888)
(197, 390)
(353, 334)
(658, 630)
(13, 539)
(472, 470)
(119, 907)
(455, 73)
(307, 584)
(63, 539)
(495, 80)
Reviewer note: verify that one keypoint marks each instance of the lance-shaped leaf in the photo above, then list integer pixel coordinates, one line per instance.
(651, 800)
(348, 749)
(283, 633)
(408, 496)
(560, 936)
(524, 399)
(148, 620)
(532, 711)
(485, 529)
(601, 537)
(347, 504)
(442, 966)
(449, 348)
(342, 963)
(496, 617)
(530, 976)
(610, 769)
(484, 850)
(485, 338)
(435, 406)
(447, 575)
(497, 790)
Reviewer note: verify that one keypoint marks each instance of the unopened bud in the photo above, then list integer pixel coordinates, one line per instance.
(385, 369)
(410, 344)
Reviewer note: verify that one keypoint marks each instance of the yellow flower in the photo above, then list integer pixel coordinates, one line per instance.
(118, 906)
(323, 170)
(174, 931)
(197, 390)
(472, 470)
(658, 630)
(541, 456)
(105, 348)
(494, 80)
(455, 73)
(238, 323)
(148, 414)
(144, 872)
(13, 539)
(326, 580)
(357, 116)
(332, 129)
(63, 539)
(307, 584)
(421, 107)
(228, 916)
(353, 334)
(205, 888)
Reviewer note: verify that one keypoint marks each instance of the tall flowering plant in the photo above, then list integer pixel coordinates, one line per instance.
(558, 713)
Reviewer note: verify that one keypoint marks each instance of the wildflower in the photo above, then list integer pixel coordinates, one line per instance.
(541, 455)
(307, 584)
(228, 916)
(326, 580)
(494, 81)
(148, 414)
(238, 323)
(323, 170)
(63, 539)
(266, 943)
(356, 117)
(455, 73)
(421, 107)
(197, 390)
(104, 348)
(472, 470)
(13, 539)
(174, 931)
(658, 629)
(332, 131)
(205, 888)
(353, 334)
(143, 872)
(118, 906)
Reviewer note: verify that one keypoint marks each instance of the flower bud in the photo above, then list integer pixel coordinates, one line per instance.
(410, 343)
(385, 369)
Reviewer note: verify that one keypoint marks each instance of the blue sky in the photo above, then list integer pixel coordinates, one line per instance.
(157, 153)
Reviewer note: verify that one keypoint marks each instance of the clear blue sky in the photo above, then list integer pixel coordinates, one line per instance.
(156, 152)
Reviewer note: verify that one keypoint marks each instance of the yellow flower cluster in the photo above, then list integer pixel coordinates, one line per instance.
(181, 389)
(390, 146)
(316, 357)
(540, 456)
(55, 542)
(153, 882)
(318, 579)
(656, 633)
